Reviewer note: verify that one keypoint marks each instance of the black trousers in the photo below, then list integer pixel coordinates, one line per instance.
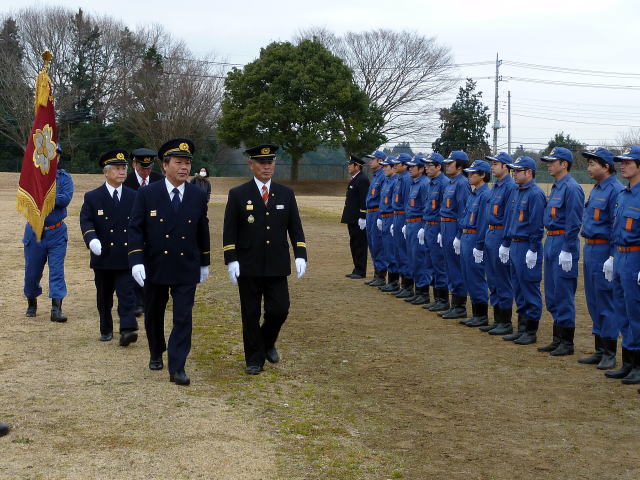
(139, 293)
(155, 302)
(258, 339)
(120, 281)
(358, 246)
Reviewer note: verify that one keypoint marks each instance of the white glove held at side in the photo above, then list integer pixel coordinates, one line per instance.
(439, 240)
(503, 253)
(478, 255)
(204, 274)
(379, 224)
(362, 223)
(301, 267)
(138, 274)
(421, 236)
(607, 269)
(234, 272)
(531, 258)
(95, 246)
(456, 245)
(565, 260)
(391, 230)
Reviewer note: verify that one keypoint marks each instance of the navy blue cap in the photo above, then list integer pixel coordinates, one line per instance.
(379, 154)
(558, 153)
(114, 157)
(418, 160)
(601, 153)
(356, 160)
(631, 153)
(262, 153)
(503, 157)
(178, 147)
(404, 158)
(144, 156)
(435, 157)
(523, 163)
(458, 155)
(478, 166)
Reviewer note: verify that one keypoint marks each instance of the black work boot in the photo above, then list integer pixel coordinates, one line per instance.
(554, 342)
(566, 342)
(458, 308)
(594, 358)
(391, 284)
(496, 320)
(414, 295)
(518, 333)
(56, 311)
(423, 298)
(633, 377)
(609, 347)
(375, 275)
(378, 279)
(407, 290)
(504, 325)
(441, 303)
(624, 370)
(480, 317)
(529, 336)
(465, 321)
(32, 307)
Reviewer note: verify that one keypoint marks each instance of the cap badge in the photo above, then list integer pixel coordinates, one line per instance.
(265, 151)
(553, 151)
(184, 147)
(120, 156)
(627, 151)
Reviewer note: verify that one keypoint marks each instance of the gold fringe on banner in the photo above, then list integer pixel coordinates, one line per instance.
(26, 205)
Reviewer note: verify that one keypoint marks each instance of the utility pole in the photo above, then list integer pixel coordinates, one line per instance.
(509, 122)
(496, 122)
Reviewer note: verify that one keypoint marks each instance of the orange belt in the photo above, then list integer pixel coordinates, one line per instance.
(55, 225)
(554, 233)
(399, 212)
(433, 223)
(447, 219)
(469, 230)
(386, 215)
(519, 240)
(496, 227)
(369, 210)
(629, 249)
(596, 241)
(414, 220)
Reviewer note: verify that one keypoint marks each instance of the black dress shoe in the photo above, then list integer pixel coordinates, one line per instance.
(179, 378)
(356, 276)
(127, 337)
(139, 310)
(4, 429)
(106, 337)
(156, 363)
(272, 355)
(253, 369)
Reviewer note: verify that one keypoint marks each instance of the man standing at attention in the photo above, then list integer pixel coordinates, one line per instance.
(257, 219)
(374, 235)
(354, 215)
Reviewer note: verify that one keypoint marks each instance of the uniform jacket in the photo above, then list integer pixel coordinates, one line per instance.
(64, 194)
(418, 191)
(99, 218)
(564, 211)
(500, 200)
(386, 193)
(255, 235)
(525, 220)
(435, 192)
(172, 246)
(401, 191)
(626, 224)
(355, 204)
(132, 181)
(475, 214)
(454, 199)
(599, 211)
(373, 195)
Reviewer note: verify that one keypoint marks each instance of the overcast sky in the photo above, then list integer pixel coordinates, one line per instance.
(591, 35)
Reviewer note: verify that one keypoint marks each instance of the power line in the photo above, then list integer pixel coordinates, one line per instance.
(575, 121)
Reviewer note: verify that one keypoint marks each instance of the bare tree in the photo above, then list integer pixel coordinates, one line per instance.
(628, 138)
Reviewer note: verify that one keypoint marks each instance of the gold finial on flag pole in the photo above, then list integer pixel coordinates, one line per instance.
(43, 82)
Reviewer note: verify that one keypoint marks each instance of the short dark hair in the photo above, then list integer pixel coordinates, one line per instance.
(461, 164)
(486, 176)
(569, 165)
(603, 164)
(205, 169)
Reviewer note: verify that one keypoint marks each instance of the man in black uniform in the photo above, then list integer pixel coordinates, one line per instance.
(104, 219)
(169, 252)
(354, 215)
(257, 219)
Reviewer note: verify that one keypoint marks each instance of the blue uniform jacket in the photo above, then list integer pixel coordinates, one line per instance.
(373, 195)
(386, 193)
(401, 191)
(456, 192)
(599, 211)
(99, 218)
(564, 210)
(499, 202)
(475, 213)
(525, 220)
(626, 224)
(435, 192)
(172, 246)
(417, 196)
(64, 194)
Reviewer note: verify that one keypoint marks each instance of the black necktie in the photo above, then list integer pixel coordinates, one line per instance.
(116, 200)
(175, 202)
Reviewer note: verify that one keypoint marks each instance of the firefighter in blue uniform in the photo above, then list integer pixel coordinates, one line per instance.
(104, 219)
(51, 249)
(384, 224)
(169, 253)
(474, 226)
(400, 198)
(562, 220)
(596, 230)
(419, 260)
(498, 273)
(522, 248)
(430, 234)
(454, 199)
(374, 236)
(624, 268)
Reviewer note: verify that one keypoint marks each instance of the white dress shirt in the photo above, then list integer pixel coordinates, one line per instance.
(140, 179)
(170, 188)
(260, 184)
(111, 189)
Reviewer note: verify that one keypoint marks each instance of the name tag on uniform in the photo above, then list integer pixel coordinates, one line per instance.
(100, 212)
(153, 213)
(249, 207)
(279, 207)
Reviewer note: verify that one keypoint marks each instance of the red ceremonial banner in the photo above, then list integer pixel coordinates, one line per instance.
(37, 187)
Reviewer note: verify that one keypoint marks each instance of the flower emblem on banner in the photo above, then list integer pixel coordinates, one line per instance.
(44, 149)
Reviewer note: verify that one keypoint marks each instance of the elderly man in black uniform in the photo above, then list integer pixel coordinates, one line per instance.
(104, 219)
(257, 219)
(354, 215)
(169, 252)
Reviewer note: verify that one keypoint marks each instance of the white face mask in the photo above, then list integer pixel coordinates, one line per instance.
(203, 174)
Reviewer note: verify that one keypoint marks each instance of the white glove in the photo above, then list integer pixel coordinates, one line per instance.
(531, 258)
(234, 272)
(439, 240)
(96, 247)
(565, 260)
(456, 245)
(503, 253)
(478, 255)
(607, 269)
(301, 266)
(362, 223)
(421, 236)
(138, 274)
(204, 274)
(638, 278)
(379, 224)
(391, 229)
(404, 231)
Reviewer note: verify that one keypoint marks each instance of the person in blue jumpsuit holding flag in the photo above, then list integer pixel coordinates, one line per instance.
(522, 248)
(51, 249)
(596, 230)
(562, 220)
(400, 198)
(455, 196)
(430, 234)
(384, 224)
(374, 236)
(471, 248)
(498, 273)
(419, 260)
(624, 268)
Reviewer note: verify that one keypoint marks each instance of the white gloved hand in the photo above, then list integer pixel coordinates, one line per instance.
(607, 269)
(404, 231)
(233, 269)
(95, 246)
(301, 266)
(565, 260)
(531, 258)
(478, 255)
(379, 224)
(503, 253)
(138, 274)
(439, 240)
(204, 274)
(638, 278)
(362, 223)
(456, 245)
(421, 236)
(391, 229)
